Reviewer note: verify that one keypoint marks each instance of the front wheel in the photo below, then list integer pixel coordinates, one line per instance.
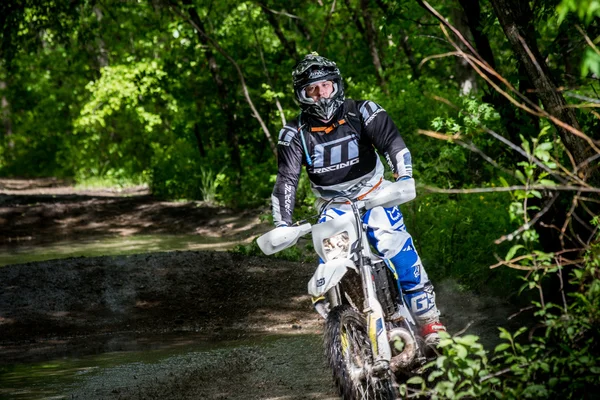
(348, 351)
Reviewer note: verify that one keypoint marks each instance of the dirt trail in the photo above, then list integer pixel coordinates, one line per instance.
(48, 210)
(81, 305)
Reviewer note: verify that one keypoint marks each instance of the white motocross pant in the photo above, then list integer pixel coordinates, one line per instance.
(387, 234)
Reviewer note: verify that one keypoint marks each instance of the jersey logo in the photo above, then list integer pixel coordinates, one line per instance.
(334, 155)
(369, 111)
(317, 73)
(286, 135)
(394, 214)
(289, 190)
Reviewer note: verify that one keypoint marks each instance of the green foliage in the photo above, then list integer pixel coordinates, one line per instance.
(177, 171)
(449, 165)
(455, 238)
(209, 183)
(127, 93)
(456, 373)
(122, 124)
(586, 10)
(591, 63)
(560, 360)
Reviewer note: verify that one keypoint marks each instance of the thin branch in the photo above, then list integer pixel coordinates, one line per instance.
(473, 148)
(440, 136)
(434, 12)
(529, 224)
(589, 199)
(478, 60)
(470, 146)
(216, 45)
(588, 40)
(519, 312)
(568, 219)
(282, 12)
(512, 261)
(562, 287)
(266, 71)
(513, 146)
(593, 235)
(531, 268)
(501, 372)
(586, 162)
(463, 330)
(567, 188)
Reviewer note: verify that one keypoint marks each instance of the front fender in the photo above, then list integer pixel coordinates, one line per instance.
(328, 275)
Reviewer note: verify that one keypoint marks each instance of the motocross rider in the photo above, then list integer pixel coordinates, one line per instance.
(335, 139)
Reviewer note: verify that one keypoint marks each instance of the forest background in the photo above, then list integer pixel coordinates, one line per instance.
(495, 99)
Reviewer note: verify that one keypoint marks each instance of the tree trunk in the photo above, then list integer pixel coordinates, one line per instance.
(5, 114)
(467, 77)
(371, 37)
(102, 57)
(515, 18)
(198, 136)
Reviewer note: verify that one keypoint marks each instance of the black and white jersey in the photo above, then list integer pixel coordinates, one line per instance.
(340, 162)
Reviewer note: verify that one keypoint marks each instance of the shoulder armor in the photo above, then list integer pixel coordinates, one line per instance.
(287, 134)
(369, 111)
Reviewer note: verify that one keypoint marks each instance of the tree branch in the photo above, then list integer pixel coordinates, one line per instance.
(177, 11)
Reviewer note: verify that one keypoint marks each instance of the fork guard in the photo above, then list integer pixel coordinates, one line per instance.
(328, 275)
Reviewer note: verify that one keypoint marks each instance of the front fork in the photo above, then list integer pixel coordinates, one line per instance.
(382, 352)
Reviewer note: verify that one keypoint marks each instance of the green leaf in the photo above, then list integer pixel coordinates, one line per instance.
(468, 340)
(415, 380)
(434, 375)
(547, 182)
(461, 351)
(591, 63)
(504, 334)
(513, 250)
(501, 347)
(536, 194)
(520, 176)
(520, 331)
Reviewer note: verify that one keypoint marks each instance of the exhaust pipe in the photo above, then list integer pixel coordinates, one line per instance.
(403, 359)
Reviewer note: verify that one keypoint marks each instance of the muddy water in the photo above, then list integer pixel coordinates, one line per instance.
(177, 367)
(112, 246)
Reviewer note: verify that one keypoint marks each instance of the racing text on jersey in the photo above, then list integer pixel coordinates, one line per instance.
(336, 166)
(334, 155)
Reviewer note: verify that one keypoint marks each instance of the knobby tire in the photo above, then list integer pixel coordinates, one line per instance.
(347, 349)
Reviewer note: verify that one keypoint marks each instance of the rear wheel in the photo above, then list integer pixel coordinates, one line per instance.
(348, 351)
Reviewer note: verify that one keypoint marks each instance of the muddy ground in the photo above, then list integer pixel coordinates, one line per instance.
(82, 305)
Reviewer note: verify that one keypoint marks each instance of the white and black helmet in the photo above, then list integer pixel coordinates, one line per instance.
(314, 68)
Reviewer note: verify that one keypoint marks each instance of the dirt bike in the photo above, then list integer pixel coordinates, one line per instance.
(371, 341)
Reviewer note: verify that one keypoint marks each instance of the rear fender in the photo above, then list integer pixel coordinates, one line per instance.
(328, 275)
